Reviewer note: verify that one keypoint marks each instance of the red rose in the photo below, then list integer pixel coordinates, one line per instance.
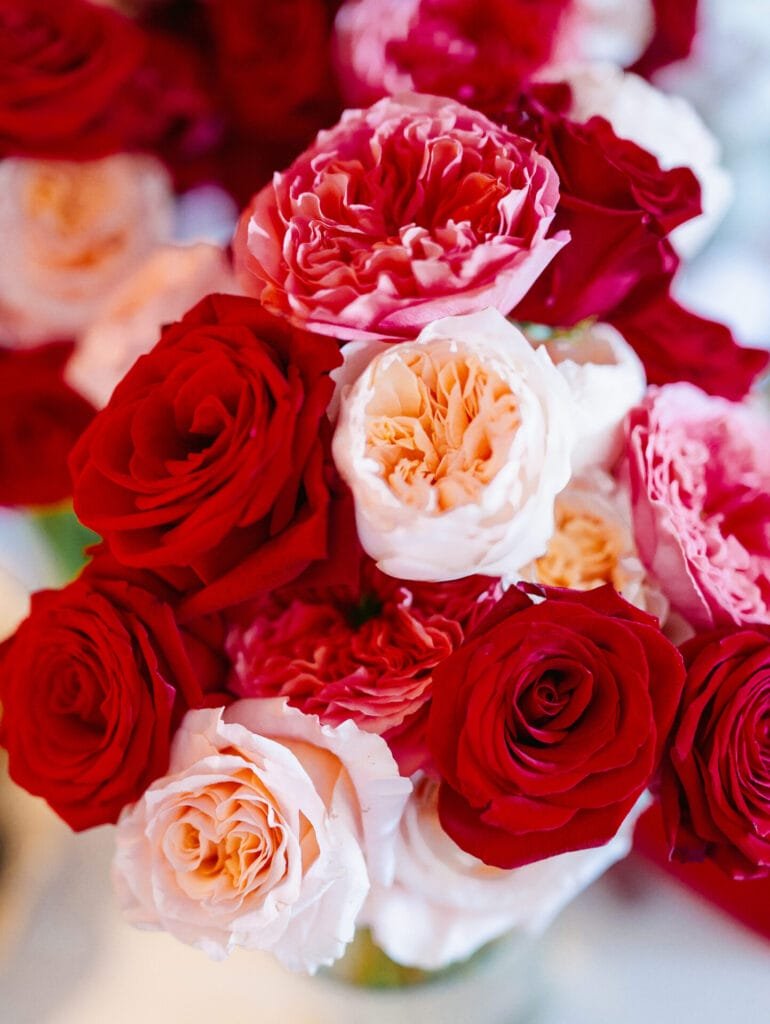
(365, 651)
(210, 465)
(92, 685)
(548, 723)
(41, 417)
(716, 778)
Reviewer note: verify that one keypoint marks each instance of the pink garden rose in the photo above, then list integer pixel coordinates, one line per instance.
(412, 210)
(699, 470)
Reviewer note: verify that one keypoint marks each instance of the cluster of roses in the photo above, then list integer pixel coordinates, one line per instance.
(397, 546)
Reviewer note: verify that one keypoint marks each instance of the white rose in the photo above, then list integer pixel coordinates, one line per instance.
(168, 283)
(259, 835)
(445, 904)
(455, 447)
(77, 230)
(666, 126)
(609, 30)
(606, 379)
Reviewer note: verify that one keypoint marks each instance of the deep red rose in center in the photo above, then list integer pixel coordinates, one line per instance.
(210, 463)
(549, 722)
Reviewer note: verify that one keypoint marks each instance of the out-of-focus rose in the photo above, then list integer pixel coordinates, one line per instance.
(476, 51)
(666, 126)
(593, 544)
(717, 770)
(607, 380)
(455, 447)
(210, 465)
(699, 469)
(445, 904)
(92, 686)
(172, 280)
(364, 652)
(41, 418)
(78, 230)
(264, 834)
(605, 30)
(14, 603)
(549, 722)
(411, 210)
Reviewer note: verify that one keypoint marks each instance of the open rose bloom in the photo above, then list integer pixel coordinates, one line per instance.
(406, 497)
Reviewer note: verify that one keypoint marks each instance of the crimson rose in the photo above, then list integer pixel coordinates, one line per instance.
(210, 463)
(548, 723)
(716, 778)
(92, 685)
(41, 417)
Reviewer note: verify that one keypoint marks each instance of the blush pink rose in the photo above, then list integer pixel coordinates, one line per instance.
(415, 209)
(699, 471)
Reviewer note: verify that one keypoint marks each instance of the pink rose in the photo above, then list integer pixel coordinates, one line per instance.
(699, 470)
(412, 210)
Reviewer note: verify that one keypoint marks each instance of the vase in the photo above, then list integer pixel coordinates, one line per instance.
(501, 984)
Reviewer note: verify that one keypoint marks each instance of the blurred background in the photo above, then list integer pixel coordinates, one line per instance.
(636, 947)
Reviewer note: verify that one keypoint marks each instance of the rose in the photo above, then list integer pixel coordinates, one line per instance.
(210, 463)
(605, 30)
(606, 379)
(444, 905)
(41, 417)
(14, 603)
(92, 685)
(666, 126)
(717, 768)
(364, 652)
(699, 476)
(548, 724)
(264, 834)
(476, 51)
(593, 544)
(78, 230)
(455, 447)
(162, 289)
(413, 209)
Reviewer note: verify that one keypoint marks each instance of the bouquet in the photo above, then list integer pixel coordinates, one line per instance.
(431, 529)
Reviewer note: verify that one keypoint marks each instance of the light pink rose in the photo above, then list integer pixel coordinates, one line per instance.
(128, 324)
(78, 229)
(265, 834)
(699, 471)
(414, 209)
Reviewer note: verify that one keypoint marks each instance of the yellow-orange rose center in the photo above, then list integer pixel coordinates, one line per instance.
(440, 425)
(585, 552)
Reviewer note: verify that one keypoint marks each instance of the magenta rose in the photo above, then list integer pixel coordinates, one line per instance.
(716, 779)
(412, 210)
(699, 470)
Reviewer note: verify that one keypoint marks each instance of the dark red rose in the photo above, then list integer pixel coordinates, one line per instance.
(675, 28)
(365, 651)
(716, 777)
(617, 204)
(675, 344)
(41, 417)
(549, 722)
(92, 685)
(210, 465)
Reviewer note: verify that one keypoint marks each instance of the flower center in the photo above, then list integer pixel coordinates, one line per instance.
(440, 425)
(584, 552)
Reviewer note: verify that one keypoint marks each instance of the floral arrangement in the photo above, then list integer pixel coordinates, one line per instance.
(432, 528)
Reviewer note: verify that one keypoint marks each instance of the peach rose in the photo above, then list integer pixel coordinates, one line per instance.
(455, 447)
(607, 380)
(78, 229)
(411, 210)
(168, 283)
(444, 904)
(593, 544)
(264, 834)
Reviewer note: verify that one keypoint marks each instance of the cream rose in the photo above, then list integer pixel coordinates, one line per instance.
(455, 447)
(593, 545)
(666, 126)
(265, 834)
(78, 229)
(168, 283)
(607, 380)
(445, 904)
